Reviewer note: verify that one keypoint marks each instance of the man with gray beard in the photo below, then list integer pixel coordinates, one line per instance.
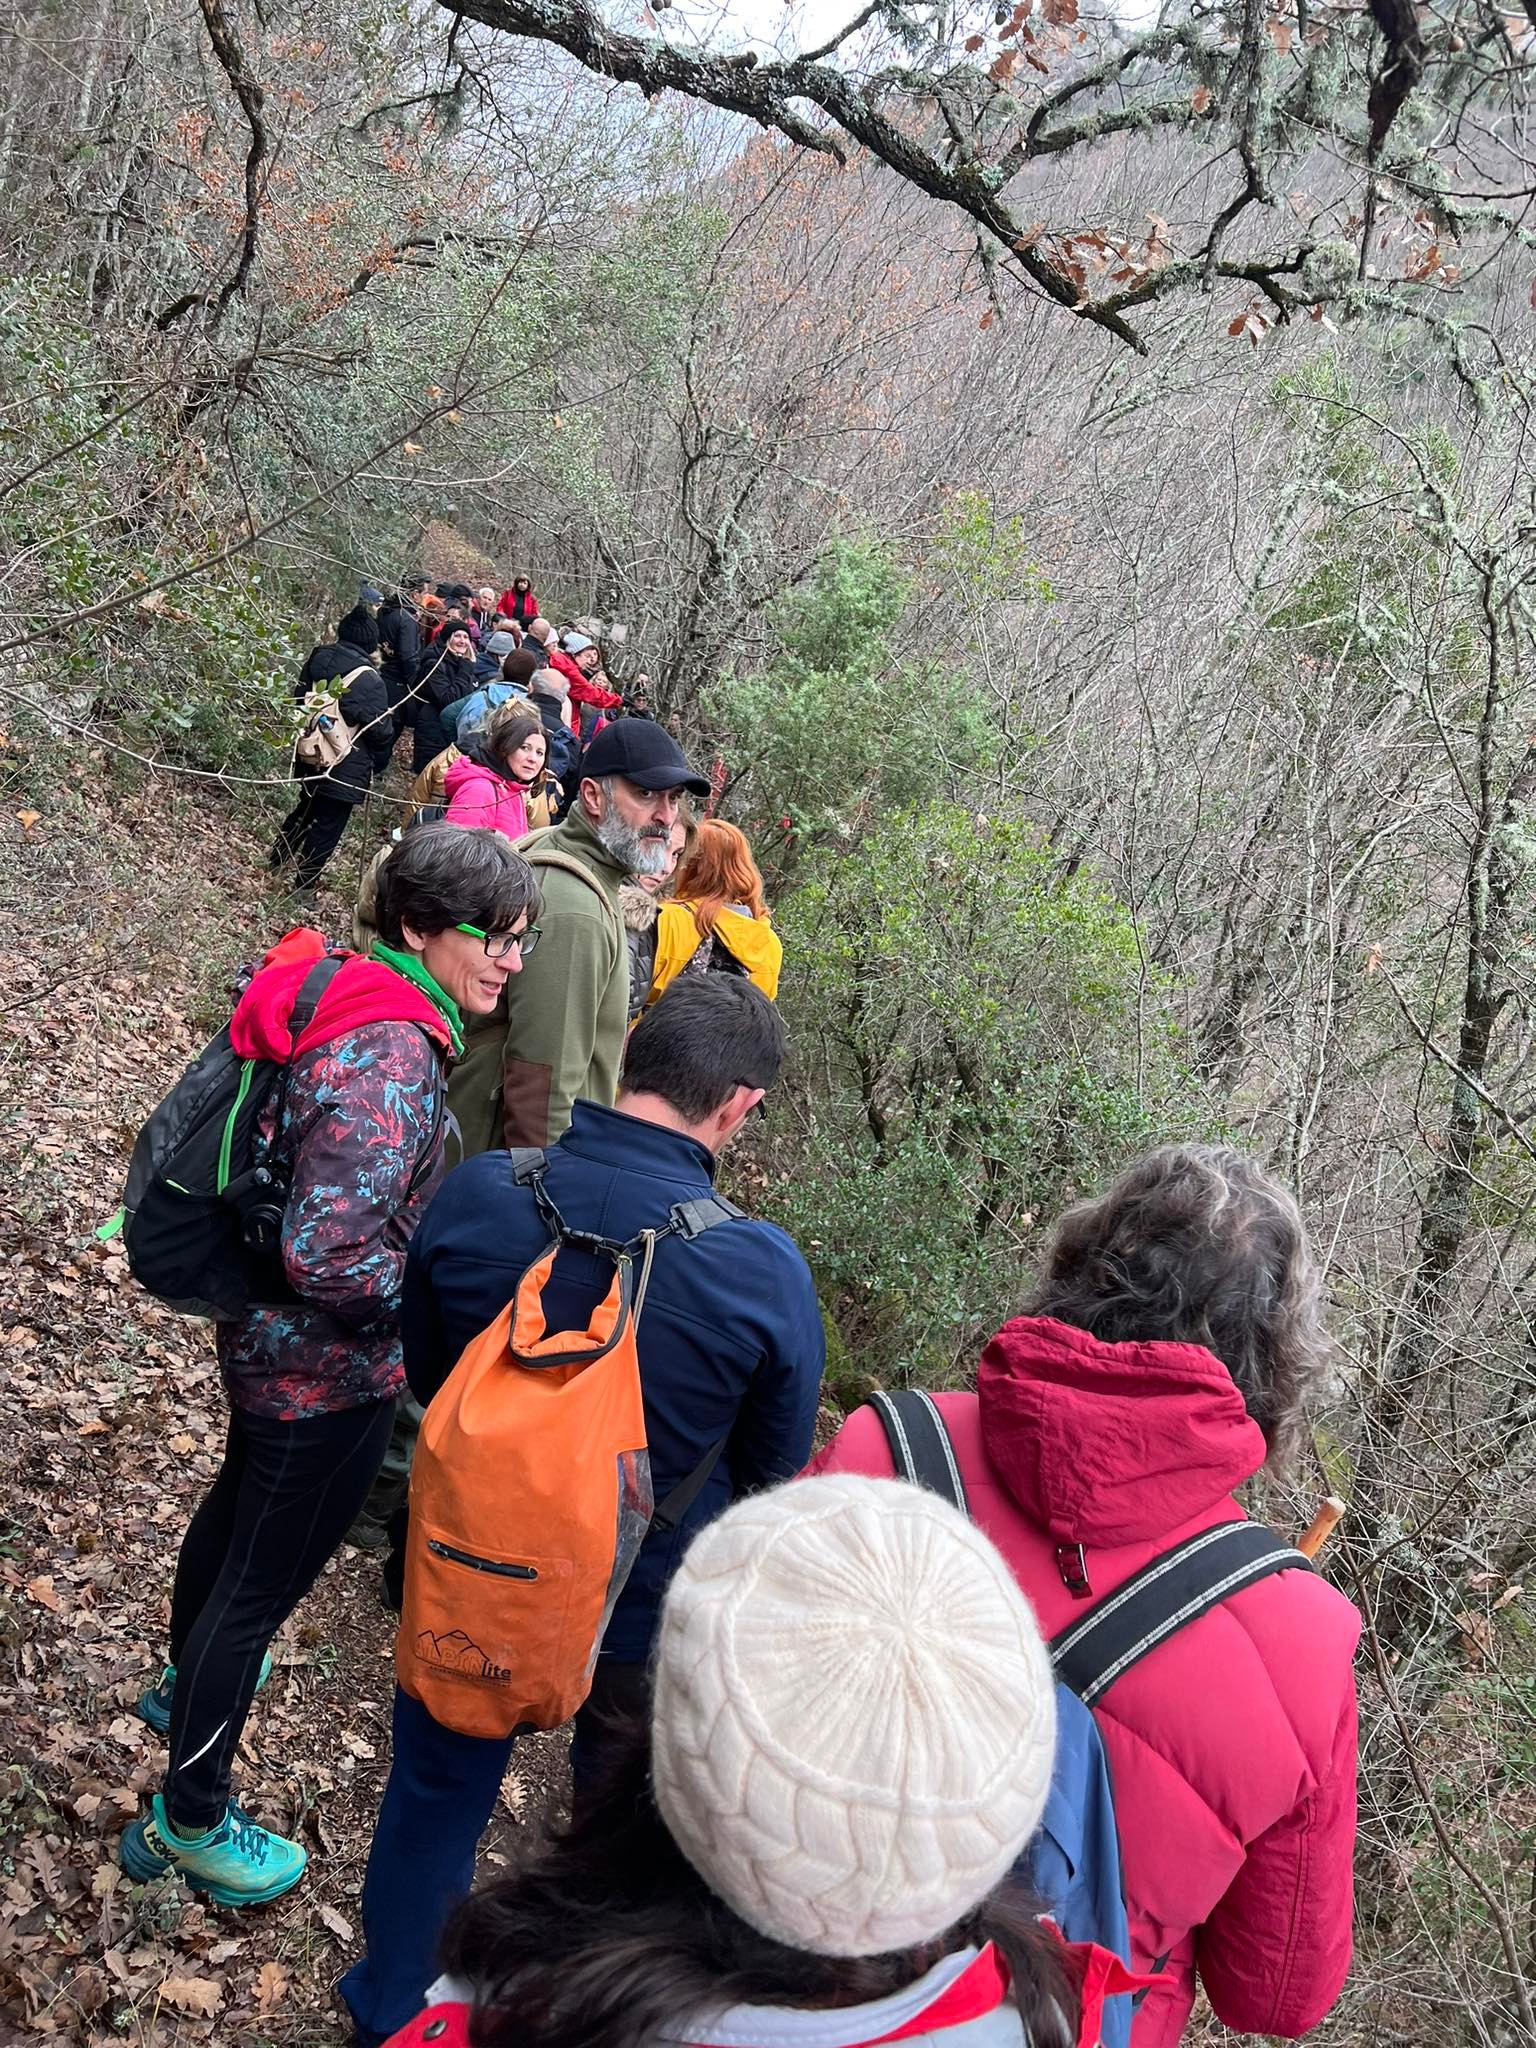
(559, 1031)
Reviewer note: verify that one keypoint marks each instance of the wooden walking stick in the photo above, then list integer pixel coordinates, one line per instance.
(1321, 1526)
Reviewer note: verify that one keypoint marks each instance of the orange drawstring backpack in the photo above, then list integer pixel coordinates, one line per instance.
(531, 1493)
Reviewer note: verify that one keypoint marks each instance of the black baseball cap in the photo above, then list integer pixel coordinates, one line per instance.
(645, 754)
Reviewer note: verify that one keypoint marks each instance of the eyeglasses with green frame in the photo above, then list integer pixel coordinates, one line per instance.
(499, 944)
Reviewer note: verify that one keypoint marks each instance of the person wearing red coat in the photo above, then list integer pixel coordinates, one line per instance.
(1175, 1336)
(581, 663)
(518, 603)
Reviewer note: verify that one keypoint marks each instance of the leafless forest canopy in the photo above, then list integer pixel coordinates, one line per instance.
(1077, 482)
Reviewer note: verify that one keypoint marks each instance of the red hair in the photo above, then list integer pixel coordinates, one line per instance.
(719, 869)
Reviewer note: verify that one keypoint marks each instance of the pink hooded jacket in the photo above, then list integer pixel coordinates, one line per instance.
(1232, 1748)
(477, 795)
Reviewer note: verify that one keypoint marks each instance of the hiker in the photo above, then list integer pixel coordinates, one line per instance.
(399, 624)
(519, 603)
(446, 677)
(560, 1032)
(483, 609)
(312, 1381)
(494, 649)
(357, 639)
(1167, 1354)
(809, 1843)
(730, 1351)
(640, 906)
(469, 719)
(452, 616)
(719, 916)
(541, 637)
(345, 670)
(499, 781)
(576, 659)
(580, 662)
(549, 693)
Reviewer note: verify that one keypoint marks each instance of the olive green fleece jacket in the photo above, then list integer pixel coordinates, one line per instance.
(558, 1031)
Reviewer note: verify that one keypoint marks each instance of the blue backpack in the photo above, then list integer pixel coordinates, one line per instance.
(467, 719)
(1073, 1863)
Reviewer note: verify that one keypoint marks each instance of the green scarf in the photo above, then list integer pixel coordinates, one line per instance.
(408, 965)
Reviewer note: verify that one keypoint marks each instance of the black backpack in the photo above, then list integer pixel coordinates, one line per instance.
(203, 1209)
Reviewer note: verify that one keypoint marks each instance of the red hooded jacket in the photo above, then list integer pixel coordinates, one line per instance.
(519, 605)
(363, 1129)
(362, 991)
(583, 689)
(1232, 1748)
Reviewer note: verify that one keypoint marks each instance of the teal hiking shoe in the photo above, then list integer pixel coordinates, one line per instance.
(237, 1863)
(154, 1705)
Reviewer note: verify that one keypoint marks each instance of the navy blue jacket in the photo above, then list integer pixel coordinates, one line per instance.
(730, 1343)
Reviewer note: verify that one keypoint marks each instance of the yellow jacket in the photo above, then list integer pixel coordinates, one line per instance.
(752, 941)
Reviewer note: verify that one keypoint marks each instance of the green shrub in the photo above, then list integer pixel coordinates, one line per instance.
(978, 1041)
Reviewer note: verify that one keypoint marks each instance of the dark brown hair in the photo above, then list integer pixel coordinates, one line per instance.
(506, 729)
(441, 875)
(611, 1939)
(1196, 1244)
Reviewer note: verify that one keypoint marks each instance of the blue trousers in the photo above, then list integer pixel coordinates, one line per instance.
(441, 1794)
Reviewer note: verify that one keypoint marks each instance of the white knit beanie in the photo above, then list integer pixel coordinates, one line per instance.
(855, 1716)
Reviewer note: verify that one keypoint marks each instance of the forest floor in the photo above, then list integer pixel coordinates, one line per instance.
(124, 910)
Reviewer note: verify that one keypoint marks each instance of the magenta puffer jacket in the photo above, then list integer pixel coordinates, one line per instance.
(477, 795)
(1232, 1748)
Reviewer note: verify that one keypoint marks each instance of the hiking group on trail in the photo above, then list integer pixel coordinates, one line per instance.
(990, 1720)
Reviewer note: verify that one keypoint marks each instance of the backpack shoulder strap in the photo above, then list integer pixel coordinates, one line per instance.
(528, 1162)
(311, 989)
(300, 1017)
(536, 850)
(670, 1512)
(920, 1447)
(1168, 1594)
(689, 1219)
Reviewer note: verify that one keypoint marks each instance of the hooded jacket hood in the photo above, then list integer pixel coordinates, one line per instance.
(1111, 1443)
(468, 768)
(638, 907)
(361, 992)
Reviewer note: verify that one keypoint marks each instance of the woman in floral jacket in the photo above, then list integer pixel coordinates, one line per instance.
(312, 1377)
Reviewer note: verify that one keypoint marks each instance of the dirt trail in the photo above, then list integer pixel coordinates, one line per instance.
(122, 916)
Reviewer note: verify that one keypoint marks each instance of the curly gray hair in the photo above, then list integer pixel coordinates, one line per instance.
(1196, 1244)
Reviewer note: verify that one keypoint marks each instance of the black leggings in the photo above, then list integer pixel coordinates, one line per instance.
(284, 1498)
(310, 834)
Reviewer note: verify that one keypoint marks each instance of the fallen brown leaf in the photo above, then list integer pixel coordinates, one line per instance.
(271, 1986)
(193, 1994)
(337, 1923)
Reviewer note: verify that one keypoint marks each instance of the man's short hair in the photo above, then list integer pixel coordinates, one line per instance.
(706, 1036)
(443, 875)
